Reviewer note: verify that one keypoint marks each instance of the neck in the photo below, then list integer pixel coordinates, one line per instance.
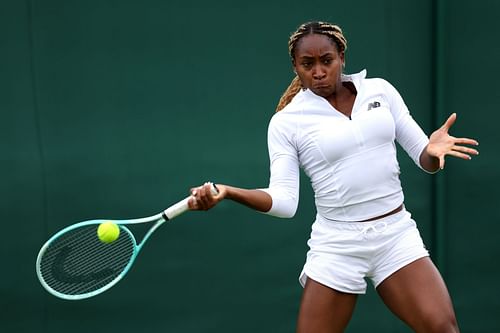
(343, 98)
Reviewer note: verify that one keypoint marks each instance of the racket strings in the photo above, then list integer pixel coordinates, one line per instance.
(78, 263)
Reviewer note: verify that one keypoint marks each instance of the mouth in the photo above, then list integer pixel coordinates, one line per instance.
(321, 86)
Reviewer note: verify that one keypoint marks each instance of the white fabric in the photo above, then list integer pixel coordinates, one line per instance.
(342, 254)
(351, 161)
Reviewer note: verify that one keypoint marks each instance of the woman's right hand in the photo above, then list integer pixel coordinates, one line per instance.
(203, 198)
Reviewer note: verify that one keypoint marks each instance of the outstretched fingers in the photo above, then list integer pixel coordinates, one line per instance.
(460, 149)
(466, 141)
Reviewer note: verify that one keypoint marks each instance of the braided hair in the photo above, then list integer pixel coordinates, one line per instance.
(332, 31)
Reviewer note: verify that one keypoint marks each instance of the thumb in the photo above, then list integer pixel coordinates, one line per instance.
(449, 122)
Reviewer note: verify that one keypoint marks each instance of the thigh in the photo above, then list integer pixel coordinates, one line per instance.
(323, 309)
(418, 295)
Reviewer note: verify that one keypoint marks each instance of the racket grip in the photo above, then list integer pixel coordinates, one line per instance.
(182, 206)
(176, 209)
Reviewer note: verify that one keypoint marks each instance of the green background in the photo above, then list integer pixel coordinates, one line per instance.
(116, 108)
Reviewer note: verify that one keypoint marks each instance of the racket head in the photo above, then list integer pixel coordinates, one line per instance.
(74, 264)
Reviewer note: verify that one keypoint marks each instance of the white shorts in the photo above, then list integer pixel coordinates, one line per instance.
(343, 254)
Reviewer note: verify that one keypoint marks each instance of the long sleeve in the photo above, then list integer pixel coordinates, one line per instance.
(408, 133)
(284, 169)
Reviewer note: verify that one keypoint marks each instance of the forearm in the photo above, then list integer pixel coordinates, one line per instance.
(255, 199)
(428, 162)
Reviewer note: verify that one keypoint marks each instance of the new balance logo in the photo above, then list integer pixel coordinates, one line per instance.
(373, 105)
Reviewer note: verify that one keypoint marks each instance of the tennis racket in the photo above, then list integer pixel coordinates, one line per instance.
(74, 264)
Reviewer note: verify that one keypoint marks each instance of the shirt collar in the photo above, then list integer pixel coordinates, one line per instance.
(355, 78)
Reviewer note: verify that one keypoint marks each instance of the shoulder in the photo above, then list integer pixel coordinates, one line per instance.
(304, 105)
(380, 84)
(382, 87)
(298, 102)
(284, 124)
(371, 85)
(283, 120)
(291, 110)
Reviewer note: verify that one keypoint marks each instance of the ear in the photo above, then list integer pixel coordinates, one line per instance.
(342, 58)
(293, 66)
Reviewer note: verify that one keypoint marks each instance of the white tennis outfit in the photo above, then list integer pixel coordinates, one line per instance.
(354, 173)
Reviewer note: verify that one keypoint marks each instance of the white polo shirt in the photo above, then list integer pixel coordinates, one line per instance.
(351, 162)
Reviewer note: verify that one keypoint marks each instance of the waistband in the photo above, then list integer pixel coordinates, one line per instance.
(347, 225)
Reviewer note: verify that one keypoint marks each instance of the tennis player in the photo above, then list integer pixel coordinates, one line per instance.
(341, 129)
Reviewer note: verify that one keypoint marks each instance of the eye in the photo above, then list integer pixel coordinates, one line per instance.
(327, 61)
(306, 64)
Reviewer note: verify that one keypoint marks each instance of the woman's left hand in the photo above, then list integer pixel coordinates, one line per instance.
(442, 144)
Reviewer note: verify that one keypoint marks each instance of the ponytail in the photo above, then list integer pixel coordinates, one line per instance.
(289, 93)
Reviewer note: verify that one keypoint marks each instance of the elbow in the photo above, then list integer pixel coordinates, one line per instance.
(284, 205)
(285, 214)
(283, 208)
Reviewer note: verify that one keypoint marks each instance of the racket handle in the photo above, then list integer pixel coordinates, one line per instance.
(182, 206)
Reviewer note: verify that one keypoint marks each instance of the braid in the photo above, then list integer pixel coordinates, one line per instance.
(289, 93)
(334, 32)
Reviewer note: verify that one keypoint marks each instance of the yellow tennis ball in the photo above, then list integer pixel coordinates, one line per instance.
(108, 232)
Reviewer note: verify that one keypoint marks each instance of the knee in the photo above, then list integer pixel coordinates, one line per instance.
(441, 324)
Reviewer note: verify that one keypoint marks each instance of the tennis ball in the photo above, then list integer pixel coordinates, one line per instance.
(108, 232)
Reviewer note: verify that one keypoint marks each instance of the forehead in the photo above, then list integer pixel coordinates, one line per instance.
(314, 44)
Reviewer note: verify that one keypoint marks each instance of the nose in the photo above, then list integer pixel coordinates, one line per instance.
(318, 73)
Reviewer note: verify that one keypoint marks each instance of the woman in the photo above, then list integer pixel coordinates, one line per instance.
(341, 129)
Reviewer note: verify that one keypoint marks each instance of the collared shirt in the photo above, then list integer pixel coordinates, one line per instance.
(351, 162)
